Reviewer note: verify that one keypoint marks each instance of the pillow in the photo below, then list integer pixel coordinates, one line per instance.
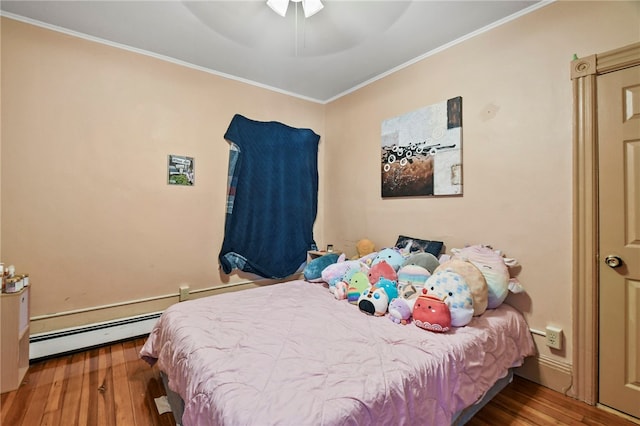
(417, 245)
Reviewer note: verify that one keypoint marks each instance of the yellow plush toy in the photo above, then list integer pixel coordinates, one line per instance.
(365, 247)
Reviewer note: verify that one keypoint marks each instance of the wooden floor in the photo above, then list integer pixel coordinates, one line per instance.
(112, 386)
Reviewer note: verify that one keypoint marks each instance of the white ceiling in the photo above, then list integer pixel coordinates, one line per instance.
(344, 46)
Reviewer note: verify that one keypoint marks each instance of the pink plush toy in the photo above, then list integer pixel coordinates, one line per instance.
(340, 290)
(382, 270)
(496, 270)
(432, 314)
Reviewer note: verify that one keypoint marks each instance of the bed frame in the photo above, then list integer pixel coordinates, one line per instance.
(177, 404)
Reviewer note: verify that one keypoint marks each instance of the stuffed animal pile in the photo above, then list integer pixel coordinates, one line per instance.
(403, 286)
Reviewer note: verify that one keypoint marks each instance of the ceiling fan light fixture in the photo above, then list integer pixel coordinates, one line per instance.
(310, 7)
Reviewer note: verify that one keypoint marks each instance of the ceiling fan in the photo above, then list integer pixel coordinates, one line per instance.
(310, 7)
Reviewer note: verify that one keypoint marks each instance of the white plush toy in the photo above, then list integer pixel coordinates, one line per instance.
(475, 280)
(452, 288)
(496, 270)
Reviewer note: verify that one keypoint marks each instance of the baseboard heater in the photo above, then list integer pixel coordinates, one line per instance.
(69, 340)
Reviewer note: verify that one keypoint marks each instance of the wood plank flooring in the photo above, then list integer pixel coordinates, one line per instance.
(106, 386)
(110, 385)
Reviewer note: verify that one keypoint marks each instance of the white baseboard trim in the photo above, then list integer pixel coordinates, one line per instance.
(97, 314)
(66, 332)
(73, 339)
(548, 372)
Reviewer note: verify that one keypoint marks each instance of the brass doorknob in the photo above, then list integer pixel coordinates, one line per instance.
(613, 261)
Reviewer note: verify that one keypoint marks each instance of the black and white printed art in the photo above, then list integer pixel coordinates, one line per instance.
(422, 151)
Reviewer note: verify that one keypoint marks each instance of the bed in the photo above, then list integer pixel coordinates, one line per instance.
(291, 354)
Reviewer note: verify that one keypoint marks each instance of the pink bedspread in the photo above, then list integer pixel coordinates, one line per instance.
(291, 354)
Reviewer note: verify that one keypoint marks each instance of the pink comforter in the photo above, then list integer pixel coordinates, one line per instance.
(291, 354)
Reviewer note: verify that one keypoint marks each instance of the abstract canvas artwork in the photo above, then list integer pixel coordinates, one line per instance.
(422, 151)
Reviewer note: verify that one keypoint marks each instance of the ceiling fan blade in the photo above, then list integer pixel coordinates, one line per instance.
(279, 6)
(311, 7)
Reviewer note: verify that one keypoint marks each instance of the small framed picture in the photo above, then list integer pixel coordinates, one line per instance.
(180, 170)
(329, 248)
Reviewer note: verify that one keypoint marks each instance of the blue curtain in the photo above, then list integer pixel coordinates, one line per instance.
(272, 197)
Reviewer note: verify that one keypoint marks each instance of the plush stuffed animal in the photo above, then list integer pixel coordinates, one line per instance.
(358, 283)
(389, 286)
(393, 256)
(426, 260)
(431, 313)
(413, 274)
(409, 293)
(365, 247)
(495, 269)
(374, 301)
(368, 259)
(336, 271)
(350, 271)
(475, 280)
(313, 270)
(381, 269)
(399, 311)
(453, 290)
(340, 290)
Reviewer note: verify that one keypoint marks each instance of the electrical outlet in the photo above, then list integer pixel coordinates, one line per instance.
(554, 337)
(184, 293)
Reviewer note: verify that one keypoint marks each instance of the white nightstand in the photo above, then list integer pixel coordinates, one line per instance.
(14, 339)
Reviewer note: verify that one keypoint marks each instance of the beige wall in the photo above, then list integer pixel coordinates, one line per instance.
(517, 149)
(86, 208)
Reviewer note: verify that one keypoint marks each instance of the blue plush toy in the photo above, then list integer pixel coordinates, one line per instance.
(390, 287)
(393, 256)
(313, 271)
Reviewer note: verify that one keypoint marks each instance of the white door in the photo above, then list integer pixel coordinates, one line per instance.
(619, 244)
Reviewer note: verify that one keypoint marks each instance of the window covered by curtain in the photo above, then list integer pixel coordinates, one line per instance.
(272, 197)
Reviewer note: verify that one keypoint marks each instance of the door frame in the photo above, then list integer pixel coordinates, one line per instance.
(584, 73)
